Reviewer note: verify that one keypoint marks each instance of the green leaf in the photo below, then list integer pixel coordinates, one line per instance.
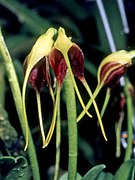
(77, 10)
(126, 171)
(90, 67)
(105, 175)
(17, 44)
(65, 177)
(13, 168)
(36, 24)
(93, 173)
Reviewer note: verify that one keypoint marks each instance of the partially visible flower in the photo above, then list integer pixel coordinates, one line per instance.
(113, 67)
(37, 72)
(110, 70)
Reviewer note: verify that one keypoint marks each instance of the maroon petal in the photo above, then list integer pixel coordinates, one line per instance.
(58, 64)
(38, 75)
(76, 59)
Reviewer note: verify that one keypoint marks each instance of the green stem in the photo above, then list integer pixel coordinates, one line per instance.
(129, 120)
(107, 97)
(58, 141)
(75, 85)
(72, 126)
(18, 103)
(2, 84)
(118, 126)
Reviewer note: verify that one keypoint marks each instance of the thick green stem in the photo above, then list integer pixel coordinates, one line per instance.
(58, 141)
(118, 126)
(72, 126)
(129, 120)
(11, 74)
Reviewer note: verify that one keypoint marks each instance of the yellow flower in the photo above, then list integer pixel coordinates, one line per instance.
(36, 72)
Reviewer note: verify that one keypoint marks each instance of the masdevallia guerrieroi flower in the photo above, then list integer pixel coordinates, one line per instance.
(110, 70)
(67, 56)
(37, 73)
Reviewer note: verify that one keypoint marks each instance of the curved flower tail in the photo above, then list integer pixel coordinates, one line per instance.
(40, 116)
(95, 106)
(24, 110)
(51, 130)
(76, 88)
(89, 103)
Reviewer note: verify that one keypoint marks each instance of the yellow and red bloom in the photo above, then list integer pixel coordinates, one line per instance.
(37, 73)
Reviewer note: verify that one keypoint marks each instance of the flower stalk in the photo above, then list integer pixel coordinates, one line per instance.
(58, 142)
(72, 126)
(18, 103)
(129, 120)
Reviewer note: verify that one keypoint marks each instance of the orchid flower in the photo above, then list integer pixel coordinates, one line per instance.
(67, 56)
(36, 69)
(110, 70)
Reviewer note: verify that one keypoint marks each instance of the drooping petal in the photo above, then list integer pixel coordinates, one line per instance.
(76, 59)
(58, 64)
